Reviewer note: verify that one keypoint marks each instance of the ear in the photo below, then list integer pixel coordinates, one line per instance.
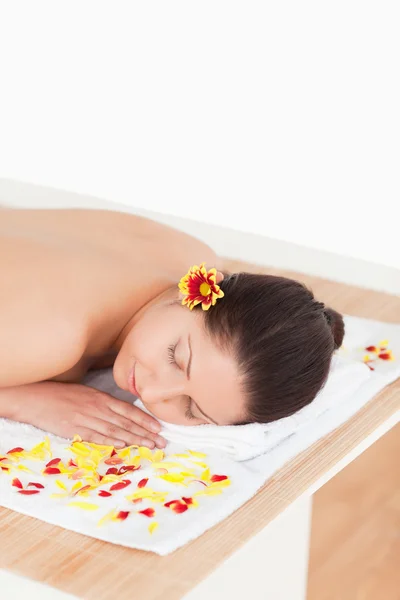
(219, 277)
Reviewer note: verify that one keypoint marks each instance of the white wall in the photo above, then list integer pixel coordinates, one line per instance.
(278, 118)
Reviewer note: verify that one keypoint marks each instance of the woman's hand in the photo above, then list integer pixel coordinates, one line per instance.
(67, 409)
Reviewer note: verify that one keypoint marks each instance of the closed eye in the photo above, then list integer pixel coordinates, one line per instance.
(171, 354)
(189, 414)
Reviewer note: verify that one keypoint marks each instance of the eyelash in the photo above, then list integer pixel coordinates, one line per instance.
(171, 359)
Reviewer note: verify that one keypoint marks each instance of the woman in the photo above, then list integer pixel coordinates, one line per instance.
(87, 289)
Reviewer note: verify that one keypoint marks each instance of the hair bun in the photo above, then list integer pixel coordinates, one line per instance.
(336, 323)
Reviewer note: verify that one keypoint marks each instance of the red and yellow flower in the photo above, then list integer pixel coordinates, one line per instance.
(200, 286)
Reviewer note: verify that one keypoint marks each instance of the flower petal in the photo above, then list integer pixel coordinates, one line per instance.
(122, 515)
(120, 485)
(218, 478)
(152, 526)
(51, 471)
(53, 461)
(84, 505)
(148, 512)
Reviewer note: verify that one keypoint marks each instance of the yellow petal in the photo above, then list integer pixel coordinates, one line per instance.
(81, 447)
(223, 483)
(77, 485)
(111, 478)
(198, 454)
(384, 343)
(145, 453)
(153, 526)
(84, 505)
(141, 493)
(205, 476)
(100, 447)
(59, 495)
(158, 498)
(107, 517)
(23, 468)
(172, 477)
(200, 464)
(181, 455)
(125, 453)
(208, 492)
(60, 484)
(158, 455)
(166, 465)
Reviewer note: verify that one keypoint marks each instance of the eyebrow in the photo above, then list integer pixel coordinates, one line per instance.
(188, 376)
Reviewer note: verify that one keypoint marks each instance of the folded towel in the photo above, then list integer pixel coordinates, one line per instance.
(206, 472)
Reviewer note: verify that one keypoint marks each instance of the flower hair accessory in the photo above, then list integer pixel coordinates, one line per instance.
(200, 286)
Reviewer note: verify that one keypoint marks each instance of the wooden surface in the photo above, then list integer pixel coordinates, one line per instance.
(97, 570)
(355, 535)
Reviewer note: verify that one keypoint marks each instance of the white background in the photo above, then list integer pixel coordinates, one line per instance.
(278, 118)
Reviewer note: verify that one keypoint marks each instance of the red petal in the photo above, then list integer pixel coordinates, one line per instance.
(114, 460)
(137, 500)
(3, 458)
(28, 492)
(187, 500)
(36, 485)
(148, 512)
(54, 461)
(112, 471)
(122, 515)
(142, 483)
(179, 507)
(120, 485)
(125, 468)
(384, 355)
(113, 453)
(104, 493)
(52, 471)
(369, 367)
(18, 449)
(215, 478)
(72, 463)
(16, 483)
(5, 468)
(370, 348)
(167, 504)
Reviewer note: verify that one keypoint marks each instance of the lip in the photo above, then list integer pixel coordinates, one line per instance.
(131, 382)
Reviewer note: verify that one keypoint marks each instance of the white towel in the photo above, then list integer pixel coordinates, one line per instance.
(248, 455)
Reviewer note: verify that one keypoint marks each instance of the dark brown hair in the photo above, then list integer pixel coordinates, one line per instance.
(281, 337)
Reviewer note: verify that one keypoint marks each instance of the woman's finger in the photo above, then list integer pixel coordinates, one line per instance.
(134, 414)
(125, 423)
(89, 435)
(113, 432)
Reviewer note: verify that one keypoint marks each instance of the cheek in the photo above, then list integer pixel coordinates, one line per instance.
(170, 413)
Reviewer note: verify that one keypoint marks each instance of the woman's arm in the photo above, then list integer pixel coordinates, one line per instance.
(67, 409)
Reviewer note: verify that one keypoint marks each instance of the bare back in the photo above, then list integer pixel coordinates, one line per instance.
(96, 268)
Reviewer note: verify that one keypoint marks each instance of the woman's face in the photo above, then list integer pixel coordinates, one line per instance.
(181, 376)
